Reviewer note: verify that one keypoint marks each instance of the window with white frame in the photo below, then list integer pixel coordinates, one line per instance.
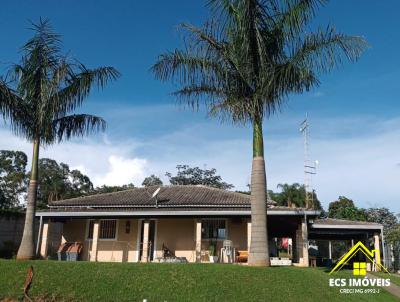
(213, 229)
(108, 229)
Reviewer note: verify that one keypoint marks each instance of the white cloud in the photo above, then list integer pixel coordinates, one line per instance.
(104, 162)
(122, 171)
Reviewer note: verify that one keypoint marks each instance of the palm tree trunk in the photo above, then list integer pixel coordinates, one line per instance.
(258, 254)
(26, 250)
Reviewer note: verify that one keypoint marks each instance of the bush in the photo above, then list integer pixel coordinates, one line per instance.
(8, 250)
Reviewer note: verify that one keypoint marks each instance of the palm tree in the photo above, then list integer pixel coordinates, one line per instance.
(242, 65)
(38, 102)
(289, 193)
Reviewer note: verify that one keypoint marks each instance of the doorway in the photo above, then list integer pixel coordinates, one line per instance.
(152, 232)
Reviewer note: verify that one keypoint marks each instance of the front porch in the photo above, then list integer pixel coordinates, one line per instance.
(127, 239)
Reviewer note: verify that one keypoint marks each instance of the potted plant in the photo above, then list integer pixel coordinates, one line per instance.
(212, 252)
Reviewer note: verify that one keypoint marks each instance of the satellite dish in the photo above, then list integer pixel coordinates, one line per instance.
(156, 193)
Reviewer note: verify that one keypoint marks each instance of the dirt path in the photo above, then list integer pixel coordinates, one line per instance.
(393, 288)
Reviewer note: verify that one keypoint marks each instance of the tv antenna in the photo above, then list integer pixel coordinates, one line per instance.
(155, 195)
(310, 167)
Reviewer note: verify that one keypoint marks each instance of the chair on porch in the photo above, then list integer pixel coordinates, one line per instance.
(227, 252)
(242, 256)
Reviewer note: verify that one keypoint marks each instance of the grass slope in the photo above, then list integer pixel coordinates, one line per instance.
(84, 281)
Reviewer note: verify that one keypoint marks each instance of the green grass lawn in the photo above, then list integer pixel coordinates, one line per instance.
(84, 281)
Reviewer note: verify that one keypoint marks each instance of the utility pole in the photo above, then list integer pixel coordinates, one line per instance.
(309, 166)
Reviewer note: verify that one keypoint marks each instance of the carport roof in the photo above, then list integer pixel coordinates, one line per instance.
(330, 223)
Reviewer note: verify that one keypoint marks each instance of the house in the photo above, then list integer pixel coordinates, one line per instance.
(141, 224)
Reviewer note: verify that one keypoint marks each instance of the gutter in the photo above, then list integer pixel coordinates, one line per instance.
(347, 226)
(167, 213)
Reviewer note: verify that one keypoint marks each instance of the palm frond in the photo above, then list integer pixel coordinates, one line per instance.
(77, 125)
(8, 100)
(325, 49)
(79, 85)
(293, 15)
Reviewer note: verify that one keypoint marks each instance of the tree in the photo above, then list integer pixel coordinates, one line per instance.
(383, 216)
(290, 195)
(111, 189)
(243, 63)
(57, 182)
(39, 101)
(13, 179)
(294, 194)
(187, 175)
(344, 208)
(152, 180)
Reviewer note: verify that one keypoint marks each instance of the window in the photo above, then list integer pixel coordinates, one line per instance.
(213, 229)
(359, 268)
(108, 229)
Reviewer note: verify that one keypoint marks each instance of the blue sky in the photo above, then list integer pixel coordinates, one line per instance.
(354, 113)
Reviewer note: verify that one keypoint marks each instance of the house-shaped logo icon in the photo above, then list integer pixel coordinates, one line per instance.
(360, 268)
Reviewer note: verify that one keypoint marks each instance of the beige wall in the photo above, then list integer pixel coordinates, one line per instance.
(177, 234)
(237, 232)
(123, 248)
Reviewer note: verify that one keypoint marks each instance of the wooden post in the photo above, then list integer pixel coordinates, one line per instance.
(377, 251)
(248, 235)
(145, 250)
(44, 246)
(95, 240)
(198, 241)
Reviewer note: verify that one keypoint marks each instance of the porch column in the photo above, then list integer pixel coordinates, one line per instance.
(352, 242)
(95, 240)
(198, 240)
(145, 251)
(44, 246)
(302, 243)
(330, 250)
(248, 235)
(377, 250)
(304, 232)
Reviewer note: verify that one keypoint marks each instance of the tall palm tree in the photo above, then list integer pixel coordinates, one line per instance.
(38, 102)
(243, 63)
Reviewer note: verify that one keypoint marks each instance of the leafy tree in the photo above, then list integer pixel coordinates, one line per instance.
(39, 103)
(57, 182)
(13, 179)
(152, 180)
(295, 195)
(80, 183)
(393, 238)
(383, 216)
(290, 195)
(195, 176)
(344, 208)
(111, 189)
(243, 64)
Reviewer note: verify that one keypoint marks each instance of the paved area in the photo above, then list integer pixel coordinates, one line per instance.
(393, 288)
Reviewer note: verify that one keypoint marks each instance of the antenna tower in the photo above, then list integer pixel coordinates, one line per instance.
(309, 166)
